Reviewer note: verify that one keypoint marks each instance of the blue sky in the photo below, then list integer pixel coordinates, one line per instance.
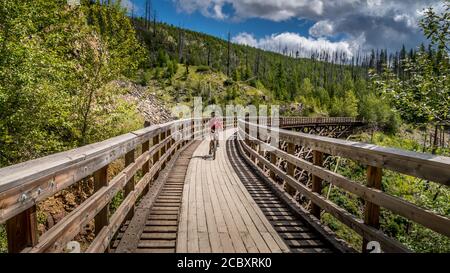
(167, 12)
(345, 25)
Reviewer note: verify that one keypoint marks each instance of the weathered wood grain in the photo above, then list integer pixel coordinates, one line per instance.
(342, 215)
(427, 218)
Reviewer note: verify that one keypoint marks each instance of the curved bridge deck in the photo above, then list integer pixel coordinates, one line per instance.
(215, 206)
(218, 213)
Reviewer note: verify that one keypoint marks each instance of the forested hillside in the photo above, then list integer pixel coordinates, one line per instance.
(325, 84)
(55, 65)
(70, 54)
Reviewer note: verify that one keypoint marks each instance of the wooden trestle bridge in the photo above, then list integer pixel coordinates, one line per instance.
(255, 197)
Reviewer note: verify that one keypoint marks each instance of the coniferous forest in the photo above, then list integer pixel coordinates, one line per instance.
(65, 72)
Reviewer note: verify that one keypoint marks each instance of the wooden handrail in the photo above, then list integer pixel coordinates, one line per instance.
(426, 166)
(24, 185)
(299, 121)
(433, 168)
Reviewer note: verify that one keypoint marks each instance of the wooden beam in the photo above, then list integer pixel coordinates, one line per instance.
(427, 218)
(426, 166)
(290, 169)
(316, 182)
(22, 231)
(46, 176)
(388, 244)
(65, 230)
(146, 166)
(372, 211)
(156, 140)
(162, 151)
(129, 187)
(101, 180)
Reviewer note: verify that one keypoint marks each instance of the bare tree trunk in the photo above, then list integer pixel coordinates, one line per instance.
(88, 104)
(180, 46)
(209, 55)
(229, 55)
(146, 14)
(425, 141)
(435, 140)
(154, 23)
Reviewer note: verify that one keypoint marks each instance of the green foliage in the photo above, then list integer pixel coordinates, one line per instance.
(346, 106)
(377, 112)
(313, 83)
(342, 231)
(203, 69)
(54, 61)
(423, 95)
(115, 202)
(422, 193)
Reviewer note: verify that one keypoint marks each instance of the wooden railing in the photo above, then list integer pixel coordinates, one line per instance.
(24, 185)
(424, 166)
(296, 121)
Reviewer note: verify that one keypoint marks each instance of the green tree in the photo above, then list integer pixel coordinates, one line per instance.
(54, 62)
(424, 96)
(346, 106)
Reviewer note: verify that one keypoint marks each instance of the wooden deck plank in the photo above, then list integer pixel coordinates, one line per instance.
(235, 226)
(213, 231)
(217, 212)
(251, 237)
(181, 245)
(225, 239)
(271, 237)
(192, 232)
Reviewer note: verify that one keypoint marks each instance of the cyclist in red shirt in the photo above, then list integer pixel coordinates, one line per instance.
(215, 124)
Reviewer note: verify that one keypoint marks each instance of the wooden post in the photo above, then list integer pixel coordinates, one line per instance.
(290, 169)
(129, 187)
(156, 155)
(162, 151)
(100, 181)
(146, 166)
(193, 129)
(372, 211)
(273, 161)
(169, 145)
(316, 182)
(253, 144)
(181, 144)
(102, 218)
(22, 231)
(273, 157)
(247, 132)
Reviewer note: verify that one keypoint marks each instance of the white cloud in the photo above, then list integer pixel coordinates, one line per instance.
(218, 12)
(322, 28)
(317, 6)
(408, 20)
(377, 20)
(245, 38)
(290, 43)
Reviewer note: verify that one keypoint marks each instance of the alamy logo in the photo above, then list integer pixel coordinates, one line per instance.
(246, 116)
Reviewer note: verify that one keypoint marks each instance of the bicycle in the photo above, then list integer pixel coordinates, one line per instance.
(213, 145)
(214, 124)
